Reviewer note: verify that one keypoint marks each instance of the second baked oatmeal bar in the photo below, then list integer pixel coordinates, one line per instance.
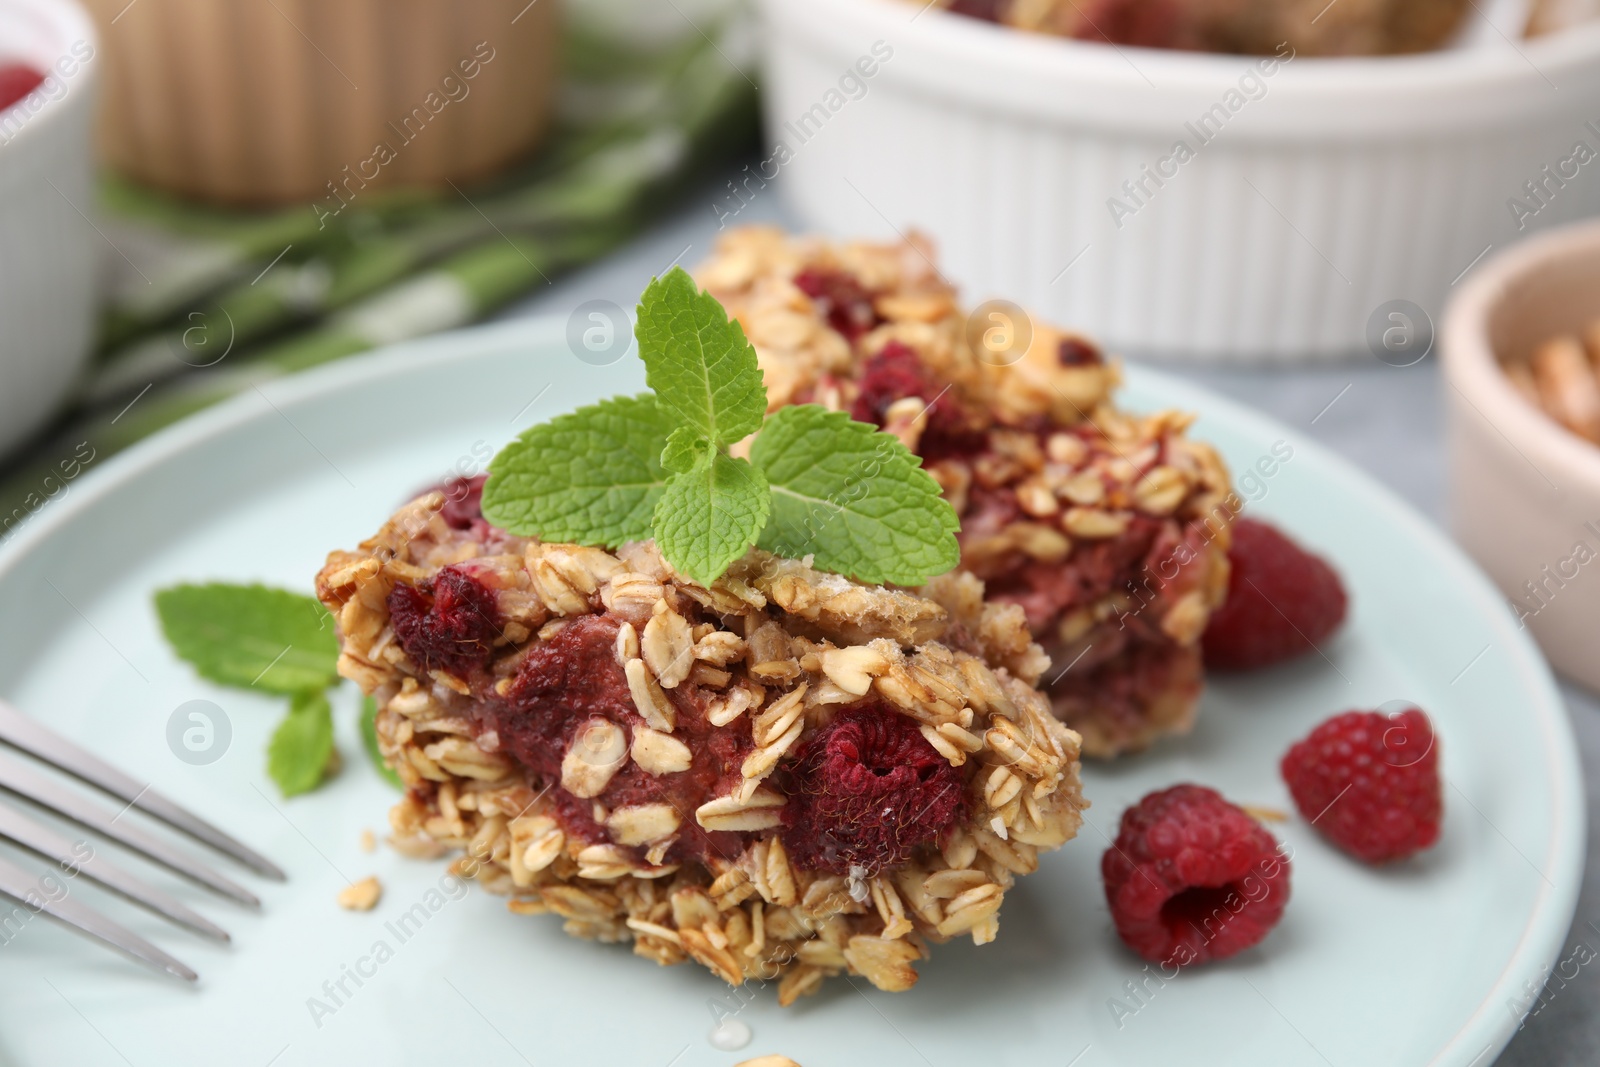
(1109, 529)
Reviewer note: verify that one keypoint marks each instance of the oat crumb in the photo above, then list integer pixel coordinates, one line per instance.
(768, 1061)
(1262, 814)
(369, 843)
(360, 896)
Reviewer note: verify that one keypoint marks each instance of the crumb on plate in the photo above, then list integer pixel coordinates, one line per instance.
(361, 896)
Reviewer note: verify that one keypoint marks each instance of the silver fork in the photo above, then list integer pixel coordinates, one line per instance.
(28, 782)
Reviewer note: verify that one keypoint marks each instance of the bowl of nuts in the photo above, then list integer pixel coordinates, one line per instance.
(1521, 347)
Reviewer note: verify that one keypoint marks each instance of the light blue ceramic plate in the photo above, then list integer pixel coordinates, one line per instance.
(1427, 962)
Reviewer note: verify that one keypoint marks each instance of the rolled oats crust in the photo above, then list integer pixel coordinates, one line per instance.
(766, 656)
(1108, 529)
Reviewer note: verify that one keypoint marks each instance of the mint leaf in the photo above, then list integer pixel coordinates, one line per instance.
(710, 516)
(592, 477)
(684, 449)
(369, 741)
(698, 361)
(301, 747)
(855, 498)
(251, 636)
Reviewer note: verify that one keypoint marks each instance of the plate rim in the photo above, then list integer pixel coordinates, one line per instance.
(1489, 1028)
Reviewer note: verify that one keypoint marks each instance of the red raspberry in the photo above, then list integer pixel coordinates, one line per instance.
(865, 790)
(448, 622)
(1370, 782)
(1192, 878)
(16, 82)
(1282, 601)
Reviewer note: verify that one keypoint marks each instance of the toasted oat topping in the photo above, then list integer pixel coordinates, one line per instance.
(361, 896)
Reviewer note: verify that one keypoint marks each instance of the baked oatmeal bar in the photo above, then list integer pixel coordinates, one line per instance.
(1110, 530)
(783, 775)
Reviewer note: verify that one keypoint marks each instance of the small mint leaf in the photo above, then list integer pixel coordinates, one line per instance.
(684, 449)
(251, 636)
(302, 746)
(710, 516)
(592, 477)
(853, 497)
(369, 741)
(703, 370)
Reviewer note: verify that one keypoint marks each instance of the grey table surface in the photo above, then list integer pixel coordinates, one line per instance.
(1388, 421)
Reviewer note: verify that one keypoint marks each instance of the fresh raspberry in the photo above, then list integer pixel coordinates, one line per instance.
(1282, 601)
(841, 298)
(1192, 878)
(897, 372)
(865, 790)
(448, 622)
(1370, 782)
(16, 82)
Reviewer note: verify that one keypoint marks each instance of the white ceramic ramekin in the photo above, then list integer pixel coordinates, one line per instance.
(1525, 493)
(1319, 189)
(49, 251)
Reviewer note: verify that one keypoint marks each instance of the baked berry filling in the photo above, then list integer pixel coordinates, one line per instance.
(448, 622)
(463, 502)
(897, 372)
(572, 684)
(841, 298)
(865, 790)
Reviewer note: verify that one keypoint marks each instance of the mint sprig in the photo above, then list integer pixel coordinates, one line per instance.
(816, 484)
(593, 476)
(710, 515)
(302, 746)
(250, 636)
(697, 360)
(844, 490)
(254, 637)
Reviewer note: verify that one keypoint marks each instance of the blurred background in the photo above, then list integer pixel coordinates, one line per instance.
(1370, 218)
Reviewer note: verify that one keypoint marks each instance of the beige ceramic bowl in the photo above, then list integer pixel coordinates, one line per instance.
(1525, 493)
(276, 101)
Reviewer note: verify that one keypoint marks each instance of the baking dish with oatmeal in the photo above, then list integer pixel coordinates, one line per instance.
(1109, 529)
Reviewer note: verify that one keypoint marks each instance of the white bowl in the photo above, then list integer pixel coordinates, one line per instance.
(50, 254)
(1525, 493)
(1345, 183)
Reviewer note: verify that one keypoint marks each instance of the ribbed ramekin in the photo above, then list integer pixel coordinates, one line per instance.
(50, 255)
(274, 101)
(1318, 193)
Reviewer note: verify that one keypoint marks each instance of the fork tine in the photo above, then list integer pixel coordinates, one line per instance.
(33, 737)
(15, 883)
(32, 784)
(38, 838)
